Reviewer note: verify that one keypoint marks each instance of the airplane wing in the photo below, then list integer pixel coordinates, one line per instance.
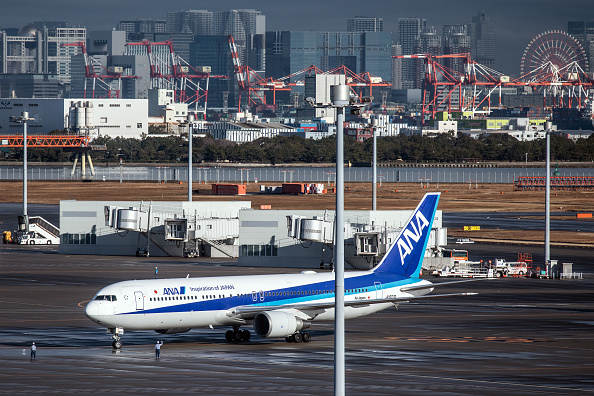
(434, 285)
(249, 311)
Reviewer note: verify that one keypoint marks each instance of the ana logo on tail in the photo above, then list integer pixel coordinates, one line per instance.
(405, 247)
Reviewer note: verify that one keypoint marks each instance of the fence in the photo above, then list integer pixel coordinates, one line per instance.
(293, 174)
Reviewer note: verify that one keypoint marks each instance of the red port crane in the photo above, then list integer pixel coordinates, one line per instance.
(99, 81)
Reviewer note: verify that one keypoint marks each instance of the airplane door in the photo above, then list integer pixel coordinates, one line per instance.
(261, 295)
(379, 292)
(254, 296)
(139, 297)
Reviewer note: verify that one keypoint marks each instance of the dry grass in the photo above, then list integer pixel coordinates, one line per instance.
(391, 196)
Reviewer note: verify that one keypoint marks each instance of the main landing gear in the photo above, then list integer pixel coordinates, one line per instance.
(299, 337)
(237, 335)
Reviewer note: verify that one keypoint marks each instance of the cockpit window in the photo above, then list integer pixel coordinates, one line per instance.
(106, 298)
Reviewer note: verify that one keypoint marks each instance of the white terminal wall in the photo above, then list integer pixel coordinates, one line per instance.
(87, 217)
(111, 117)
(269, 227)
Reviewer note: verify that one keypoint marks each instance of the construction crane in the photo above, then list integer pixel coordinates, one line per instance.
(358, 82)
(99, 81)
(567, 85)
(251, 84)
(170, 71)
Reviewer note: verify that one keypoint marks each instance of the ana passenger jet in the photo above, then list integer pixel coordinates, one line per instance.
(275, 305)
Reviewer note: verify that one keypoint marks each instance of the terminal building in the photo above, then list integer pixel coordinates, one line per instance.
(275, 238)
(127, 228)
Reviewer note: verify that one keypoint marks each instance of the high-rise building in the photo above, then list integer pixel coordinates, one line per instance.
(455, 41)
(248, 28)
(39, 49)
(584, 33)
(365, 24)
(213, 51)
(136, 29)
(198, 22)
(289, 52)
(429, 42)
(482, 36)
(396, 67)
(409, 31)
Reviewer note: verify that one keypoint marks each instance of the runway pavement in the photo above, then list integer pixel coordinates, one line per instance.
(518, 336)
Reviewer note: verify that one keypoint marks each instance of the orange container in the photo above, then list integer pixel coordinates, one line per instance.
(584, 215)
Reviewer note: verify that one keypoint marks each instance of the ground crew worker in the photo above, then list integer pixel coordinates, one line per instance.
(158, 350)
(33, 352)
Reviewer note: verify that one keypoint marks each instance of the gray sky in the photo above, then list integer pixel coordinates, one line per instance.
(516, 21)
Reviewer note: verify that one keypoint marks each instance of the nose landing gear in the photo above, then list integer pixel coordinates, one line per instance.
(116, 343)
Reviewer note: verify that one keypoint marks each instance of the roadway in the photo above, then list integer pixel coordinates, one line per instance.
(518, 336)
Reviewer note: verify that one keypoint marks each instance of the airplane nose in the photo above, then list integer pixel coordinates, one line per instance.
(92, 310)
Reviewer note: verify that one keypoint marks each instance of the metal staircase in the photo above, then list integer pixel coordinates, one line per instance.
(221, 246)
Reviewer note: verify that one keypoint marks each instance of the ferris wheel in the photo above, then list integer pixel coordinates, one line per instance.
(554, 48)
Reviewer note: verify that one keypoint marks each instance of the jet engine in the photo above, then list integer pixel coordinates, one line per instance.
(278, 324)
(173, 331)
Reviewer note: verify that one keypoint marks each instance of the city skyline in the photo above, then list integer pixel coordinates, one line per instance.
(516, 23)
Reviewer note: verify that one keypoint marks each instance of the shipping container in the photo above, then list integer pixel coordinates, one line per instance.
(228, 189)
(293, 188)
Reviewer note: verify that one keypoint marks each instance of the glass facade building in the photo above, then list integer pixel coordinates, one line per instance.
(289, 52)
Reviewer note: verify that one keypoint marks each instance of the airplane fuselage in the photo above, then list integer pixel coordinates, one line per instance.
(160, 304)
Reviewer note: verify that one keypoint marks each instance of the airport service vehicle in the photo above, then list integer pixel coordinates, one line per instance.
(37, 231)
(275, 305)
(464, 272)
(504, 268)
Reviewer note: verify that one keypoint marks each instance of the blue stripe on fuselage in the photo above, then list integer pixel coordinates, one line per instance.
(367, 281)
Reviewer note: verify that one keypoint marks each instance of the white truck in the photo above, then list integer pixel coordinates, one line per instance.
(503, 268)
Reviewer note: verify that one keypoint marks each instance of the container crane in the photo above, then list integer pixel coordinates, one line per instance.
(251, 83)
(170, 71)
(99, 81)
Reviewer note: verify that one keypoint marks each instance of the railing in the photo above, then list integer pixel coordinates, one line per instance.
(220, 246)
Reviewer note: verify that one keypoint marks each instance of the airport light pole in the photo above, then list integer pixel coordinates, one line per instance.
(374, 188)
(22, 119)
(548, 203)
(340, 97)
(190, 133)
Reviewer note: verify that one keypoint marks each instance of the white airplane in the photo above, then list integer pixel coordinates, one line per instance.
(276, 305)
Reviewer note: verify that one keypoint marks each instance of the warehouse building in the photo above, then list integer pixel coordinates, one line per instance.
(106, 117)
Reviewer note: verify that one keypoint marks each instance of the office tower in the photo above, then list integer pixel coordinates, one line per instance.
(137, 29)
(455, 41)
(396, 67)
(248, 28)
(429, 42)
(409, 31)
(365, 24)
(213, 51)
(584, 33)
(482, 36)
(290, 52)
(198, 22)
(39, 49)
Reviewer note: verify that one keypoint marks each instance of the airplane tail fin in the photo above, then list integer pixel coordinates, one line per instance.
(405, 256)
